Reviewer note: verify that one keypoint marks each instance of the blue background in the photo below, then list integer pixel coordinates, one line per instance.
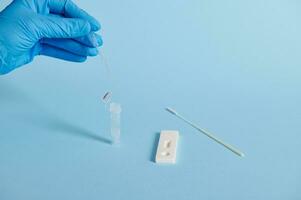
(233, 67)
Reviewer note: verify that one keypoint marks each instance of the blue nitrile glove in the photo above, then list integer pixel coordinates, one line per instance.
(56, 28)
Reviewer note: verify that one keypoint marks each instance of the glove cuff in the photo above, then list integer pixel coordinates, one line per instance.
(3, 56)
(7, 61)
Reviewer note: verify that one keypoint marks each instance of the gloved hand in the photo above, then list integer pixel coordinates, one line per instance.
(56, 28)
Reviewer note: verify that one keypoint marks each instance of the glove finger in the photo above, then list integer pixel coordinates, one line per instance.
(56, 27)
(91, 40)
(70, 9)
(54, 52)
(71, 46)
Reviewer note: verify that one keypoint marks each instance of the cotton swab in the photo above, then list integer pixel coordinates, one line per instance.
(228, 146)
(108, 95)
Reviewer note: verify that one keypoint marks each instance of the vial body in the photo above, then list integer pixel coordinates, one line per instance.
(115, 111)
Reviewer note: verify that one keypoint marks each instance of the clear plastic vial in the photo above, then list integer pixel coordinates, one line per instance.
(115, 110)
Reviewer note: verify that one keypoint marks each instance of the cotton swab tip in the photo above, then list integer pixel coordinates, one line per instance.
(107, 97)
(172, 111)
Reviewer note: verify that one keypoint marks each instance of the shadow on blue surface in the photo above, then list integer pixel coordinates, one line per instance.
(154, 149)
(40, 116)
(65, 127)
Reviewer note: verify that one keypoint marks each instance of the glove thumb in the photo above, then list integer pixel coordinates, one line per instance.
(58, 27)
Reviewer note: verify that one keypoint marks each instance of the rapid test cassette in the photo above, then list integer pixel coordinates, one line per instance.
(167, 147)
